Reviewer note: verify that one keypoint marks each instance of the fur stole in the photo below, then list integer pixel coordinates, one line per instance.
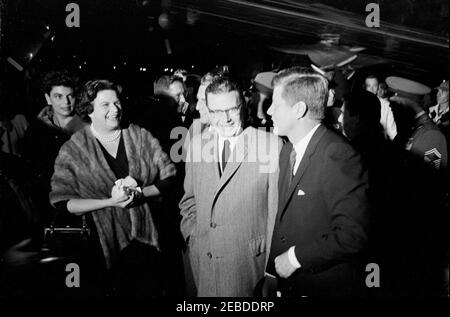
(81, 171)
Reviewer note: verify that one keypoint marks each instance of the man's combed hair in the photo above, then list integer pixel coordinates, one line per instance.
(220, 71)
(223, 84)
(304, 84)
(89, 92)
(383, 90)
(57, 78)
(209, 78)
(372, 76)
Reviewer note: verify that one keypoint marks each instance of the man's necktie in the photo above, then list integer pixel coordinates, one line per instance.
(292, 158)
(225, 154)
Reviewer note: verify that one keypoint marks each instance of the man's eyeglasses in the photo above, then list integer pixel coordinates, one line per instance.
(229, 112)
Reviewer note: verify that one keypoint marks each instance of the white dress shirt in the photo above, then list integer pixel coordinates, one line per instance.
(438, 111)
(300, 147)
(387, 119)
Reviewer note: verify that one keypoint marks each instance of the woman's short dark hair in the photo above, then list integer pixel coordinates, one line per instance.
(89, 92)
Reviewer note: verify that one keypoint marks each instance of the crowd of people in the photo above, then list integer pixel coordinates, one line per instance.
(291, 189)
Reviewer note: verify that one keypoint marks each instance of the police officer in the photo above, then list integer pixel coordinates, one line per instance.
(423, 192)
(440, 112)
(426, 141)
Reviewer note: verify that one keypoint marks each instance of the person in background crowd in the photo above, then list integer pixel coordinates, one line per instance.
(261, 99)
(19, 243)
(387, 117)
(163, 113)
(333, 110)
(52, 127)
(191, 83)
(12, 131)
(172, 87)
(201, 99)
(372, 84)
(439, 113)
(361, 122)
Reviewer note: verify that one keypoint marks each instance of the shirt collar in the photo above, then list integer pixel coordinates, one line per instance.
(300, 146)
(221, 139)
(233, 140)
(420, 118)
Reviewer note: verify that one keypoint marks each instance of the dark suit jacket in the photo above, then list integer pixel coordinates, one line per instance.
(324, 214)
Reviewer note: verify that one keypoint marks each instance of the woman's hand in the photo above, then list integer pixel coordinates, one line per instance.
(126, 187)
(119, 197)
(121, 202)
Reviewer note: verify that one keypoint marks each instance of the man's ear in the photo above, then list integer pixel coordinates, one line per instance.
(300, 109)
(47, 97)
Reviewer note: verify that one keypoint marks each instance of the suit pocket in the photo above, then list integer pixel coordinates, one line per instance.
(257, 245)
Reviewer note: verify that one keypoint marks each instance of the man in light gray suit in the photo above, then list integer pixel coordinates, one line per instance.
(230, 198)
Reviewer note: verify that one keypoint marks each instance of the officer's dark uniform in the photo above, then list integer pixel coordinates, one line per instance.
(421, 241)
(428, 143)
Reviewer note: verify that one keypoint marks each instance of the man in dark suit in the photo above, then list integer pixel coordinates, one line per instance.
(323, 208)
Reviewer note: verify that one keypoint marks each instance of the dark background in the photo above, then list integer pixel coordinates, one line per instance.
(119, 38)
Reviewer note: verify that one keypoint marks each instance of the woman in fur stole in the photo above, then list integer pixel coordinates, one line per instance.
(108, 172)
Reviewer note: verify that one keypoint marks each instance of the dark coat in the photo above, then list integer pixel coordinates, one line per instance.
(324, 214)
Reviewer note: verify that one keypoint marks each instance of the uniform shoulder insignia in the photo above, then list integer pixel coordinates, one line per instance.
(433, 157)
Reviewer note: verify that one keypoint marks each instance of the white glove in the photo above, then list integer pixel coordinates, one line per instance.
(126, 186)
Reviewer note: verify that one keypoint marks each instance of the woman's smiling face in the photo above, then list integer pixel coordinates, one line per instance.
(107, 111)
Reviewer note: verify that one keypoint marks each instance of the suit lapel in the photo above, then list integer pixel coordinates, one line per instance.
(212, 165)
(285, 171)
(310, 149)
(238, 155)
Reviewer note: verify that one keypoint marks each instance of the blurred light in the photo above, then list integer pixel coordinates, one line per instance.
(191, 16)
(168, 47)
(47, 27)
(124, 63)
(166, 69)
(15, 64)
(164, 21)
(53, 38)
(143, 3)
(114, 67)
(31, 55)
(144, 69)
(79, 67)
(192, 66)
